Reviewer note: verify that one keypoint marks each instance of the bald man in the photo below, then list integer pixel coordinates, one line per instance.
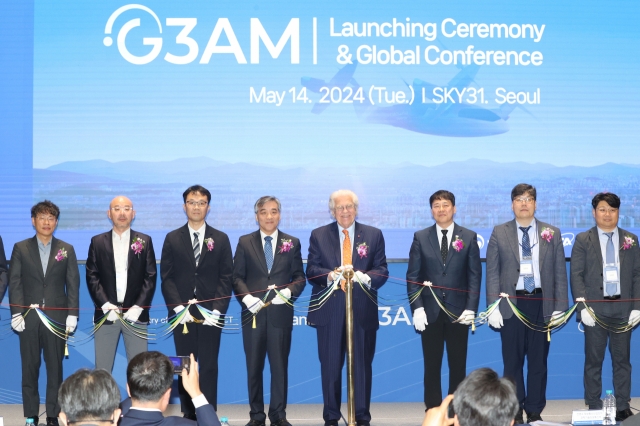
(121, 276)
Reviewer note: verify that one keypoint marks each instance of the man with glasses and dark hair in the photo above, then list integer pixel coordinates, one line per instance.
(197, 264)
(43, 274)
(89, 397)
(342, 245)
(149, 380)
(265, 261)
(525, 260)
(446, 255)
(605, 270)
(121, 277)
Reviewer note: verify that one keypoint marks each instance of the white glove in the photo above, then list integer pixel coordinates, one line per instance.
(252, 303)
(133, 314)
(634, 317)
(213, 320)
(420, 319)
(587, 319)
(555, 318)
(17, 323)
(363, 278)
(286, 293)
(187, 318)
(72, 323)
(466, 317)
(113, 311)
(495, 319)
(332, 276)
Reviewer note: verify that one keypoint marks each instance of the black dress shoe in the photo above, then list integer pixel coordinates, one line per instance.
(595, 407)
(53, 421)
(35, 420)
(331, 423)
(362, 423)
(190, 416)
(253, 422)
(519, 419)
(622, 415)
(533, 417)
(281, 422)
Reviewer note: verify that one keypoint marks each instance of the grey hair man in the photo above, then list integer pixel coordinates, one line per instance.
(89, 397)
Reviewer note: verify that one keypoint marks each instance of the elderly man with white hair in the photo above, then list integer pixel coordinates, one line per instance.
(344, 244)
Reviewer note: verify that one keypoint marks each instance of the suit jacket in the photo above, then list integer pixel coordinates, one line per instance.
(206, 417)
(462, 270)
(250, 275)
(59, 288)
(503, 268)
(324, 257)
(212, 279)
(101, 274)
(4, 278)
(586, 274)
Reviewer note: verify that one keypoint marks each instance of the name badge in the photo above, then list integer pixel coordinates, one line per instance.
(611, 274)
(526, 267)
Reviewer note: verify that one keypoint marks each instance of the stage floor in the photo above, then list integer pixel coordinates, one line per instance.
(384, 414)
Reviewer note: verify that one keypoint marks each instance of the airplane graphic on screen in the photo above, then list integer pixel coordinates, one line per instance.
(457, 119)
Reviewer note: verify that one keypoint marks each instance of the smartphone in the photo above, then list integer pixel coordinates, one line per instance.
(450, 412)
(180, 362)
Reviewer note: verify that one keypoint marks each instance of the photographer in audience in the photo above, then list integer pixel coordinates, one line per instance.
(149, 380)
(482, 399)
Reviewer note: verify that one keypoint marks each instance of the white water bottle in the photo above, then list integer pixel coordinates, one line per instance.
(609, 408)
(224, 421)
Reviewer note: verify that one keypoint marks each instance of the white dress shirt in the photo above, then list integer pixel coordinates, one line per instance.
(534, 242)
(274, 241)
(121, 260)
(603, 248)
(200, 232)
(450, 236)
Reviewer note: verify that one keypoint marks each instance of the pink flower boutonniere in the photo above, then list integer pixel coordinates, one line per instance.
(286, 246)
(457, 244)
(547, 234)
(62, 255)
(628, 242)
(137, 245)
(362, 249)
(209, 243)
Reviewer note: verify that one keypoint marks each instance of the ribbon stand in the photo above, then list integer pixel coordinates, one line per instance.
(351, 402)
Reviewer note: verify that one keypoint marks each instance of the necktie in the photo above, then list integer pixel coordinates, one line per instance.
(346, 248)
(529, 282)
(268, 252)
(196, 247)
(444, 246)
(611, 259)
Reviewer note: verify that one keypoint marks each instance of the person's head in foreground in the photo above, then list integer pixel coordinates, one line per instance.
(482, 399)
(149, 380)
(89, 397)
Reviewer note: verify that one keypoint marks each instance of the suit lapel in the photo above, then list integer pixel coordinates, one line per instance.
(131, 258)
(256, 244)
(208, 233)
(512, 237)
(543, 245)
(278, 255)
(621, 251)
(186, 240)
(334, 240)
(55, 246)
(108, 244)
(35, 255)
(451, 250)
(357, 240)
(594, 240)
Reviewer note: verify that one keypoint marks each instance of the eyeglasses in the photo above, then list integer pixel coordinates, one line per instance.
(194, 204)
(604, 210)
(524, 200)
(348, 208)
(46, 218)
(118, 209)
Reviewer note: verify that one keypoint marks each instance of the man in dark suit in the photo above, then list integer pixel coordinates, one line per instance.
(346, 244)
(89, 397)
(605, 268)
(121, 276)
(44, 273)
(149, 380)
(197, 264)
(525, 259)
(4, 278)
(447, 256)
(265, 258)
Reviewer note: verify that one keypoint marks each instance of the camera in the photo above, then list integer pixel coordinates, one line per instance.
(180, 362)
